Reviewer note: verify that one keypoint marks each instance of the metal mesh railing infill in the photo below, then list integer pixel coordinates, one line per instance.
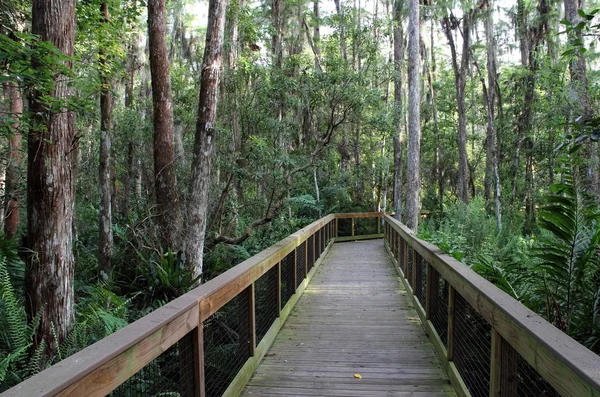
(420, 278)
(300, 264)
(170, 374)
(344, 227)
(472, 347)
(310, 259)
(365, 226)
(519, 379)
(265, 290)
(226, 344)
(287, 278)
(439, 305)
(409, 265)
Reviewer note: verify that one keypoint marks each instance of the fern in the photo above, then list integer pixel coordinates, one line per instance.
(568, 255)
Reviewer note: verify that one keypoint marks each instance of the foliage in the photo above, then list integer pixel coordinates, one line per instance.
(568, 255)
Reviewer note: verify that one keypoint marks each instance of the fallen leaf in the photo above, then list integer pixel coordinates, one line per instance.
(357, 376)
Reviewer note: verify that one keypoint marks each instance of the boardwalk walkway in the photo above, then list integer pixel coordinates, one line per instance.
(354, 318)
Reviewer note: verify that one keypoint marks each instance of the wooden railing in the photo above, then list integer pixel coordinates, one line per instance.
(209, 341)
(489, 343)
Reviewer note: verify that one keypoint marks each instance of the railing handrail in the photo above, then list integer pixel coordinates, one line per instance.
(165, 326)
(559, 359)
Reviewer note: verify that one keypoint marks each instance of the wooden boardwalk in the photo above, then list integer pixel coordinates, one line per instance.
(354, 318)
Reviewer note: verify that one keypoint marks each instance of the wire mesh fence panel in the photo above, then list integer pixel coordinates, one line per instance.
(439, 305)
(226, 344)
(310, 259)
(170, 374)
(409, 265)
(265, 290)
(317, 245)
(420, 278)
(300, 264)
(518, 378)
(321, 241)
(365, 226)
(401, 246)
(472, 347)
(344, 227)
(393, 244)
(287, 278)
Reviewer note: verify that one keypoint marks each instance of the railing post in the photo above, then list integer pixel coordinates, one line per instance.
(336, 227)
(495, 364)
(451, 295)
(198, 340)
(503, 368)
(279, 289)
(352, 226)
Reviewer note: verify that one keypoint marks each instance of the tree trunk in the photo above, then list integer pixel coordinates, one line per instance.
(398, 111)
(460, 79)
(413, 183)
(580, 93)
(50, 194)
(340, 12)
(165, 178)
(492, 175)
(13, 166)
(105, 237)
(205, 136)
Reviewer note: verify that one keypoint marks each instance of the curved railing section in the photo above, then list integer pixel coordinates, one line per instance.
(489, 343)
(209, 341)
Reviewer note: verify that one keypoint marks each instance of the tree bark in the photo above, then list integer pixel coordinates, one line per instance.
(399, 138)
(13, 166)
(492, 175)
(205, 136)
(165, 178)
(413, 183)
(50, 194)
(460, 79)
(105, 237)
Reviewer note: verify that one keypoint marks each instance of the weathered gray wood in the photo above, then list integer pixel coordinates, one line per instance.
(354, 318)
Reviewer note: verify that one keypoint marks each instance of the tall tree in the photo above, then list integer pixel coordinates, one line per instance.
(398, 110)
(11, 202)
(50, 193)
(413, 171)
(105, 237)
(165, 177)
(492, 175)
(204, 143)
(449, 24)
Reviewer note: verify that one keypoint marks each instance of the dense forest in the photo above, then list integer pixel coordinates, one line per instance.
(148, 146)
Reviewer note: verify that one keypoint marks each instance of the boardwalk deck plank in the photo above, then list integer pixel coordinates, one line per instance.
(354, 318)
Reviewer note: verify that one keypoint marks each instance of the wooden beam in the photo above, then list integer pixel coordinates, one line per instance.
(198, 340)
(496, 364)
